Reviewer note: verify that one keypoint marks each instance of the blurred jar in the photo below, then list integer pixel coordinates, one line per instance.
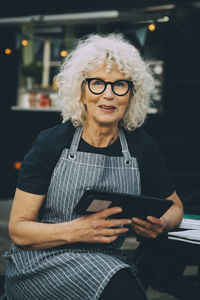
(45, 100)
(32, 99)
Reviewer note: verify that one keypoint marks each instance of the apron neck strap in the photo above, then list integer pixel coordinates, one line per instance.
(75, 142)
(77, 137)
(124, 146)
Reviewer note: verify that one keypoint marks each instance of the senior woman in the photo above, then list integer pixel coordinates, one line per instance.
(104, 85)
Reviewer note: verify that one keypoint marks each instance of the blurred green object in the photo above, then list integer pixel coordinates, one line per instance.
(34, 70)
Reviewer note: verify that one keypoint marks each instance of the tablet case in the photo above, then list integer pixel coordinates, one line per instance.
(94, 201)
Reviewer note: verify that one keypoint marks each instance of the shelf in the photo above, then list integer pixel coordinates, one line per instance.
(56, 109)
(38, 109)
(42, 90)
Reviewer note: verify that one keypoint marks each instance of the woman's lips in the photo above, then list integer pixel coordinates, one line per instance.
(107, 108)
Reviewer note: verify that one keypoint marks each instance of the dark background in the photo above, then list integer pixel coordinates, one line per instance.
(29, 7)
(176, 129)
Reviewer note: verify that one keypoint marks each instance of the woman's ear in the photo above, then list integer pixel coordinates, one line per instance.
(82, 100)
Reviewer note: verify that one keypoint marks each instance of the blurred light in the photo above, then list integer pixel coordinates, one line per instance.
(152, 27)
(17, 165)
(158, 70)
(8, 51)
(63, 53)
(24, 43)
(166, 19)
(162, 20)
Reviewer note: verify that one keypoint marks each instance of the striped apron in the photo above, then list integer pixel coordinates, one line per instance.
(80, 270)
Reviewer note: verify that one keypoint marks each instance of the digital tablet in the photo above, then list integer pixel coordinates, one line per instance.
(94, 201)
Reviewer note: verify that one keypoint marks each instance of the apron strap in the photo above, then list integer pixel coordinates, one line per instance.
(124, 145)
(75, 142)
(77, 137)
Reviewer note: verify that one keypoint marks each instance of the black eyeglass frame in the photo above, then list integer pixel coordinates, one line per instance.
(129, 82)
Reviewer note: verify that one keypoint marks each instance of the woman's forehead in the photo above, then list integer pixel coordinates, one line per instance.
(104, 72)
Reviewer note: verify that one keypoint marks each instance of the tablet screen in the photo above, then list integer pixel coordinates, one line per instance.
(98, 205)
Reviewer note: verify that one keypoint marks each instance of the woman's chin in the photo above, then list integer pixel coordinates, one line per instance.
(107, 122)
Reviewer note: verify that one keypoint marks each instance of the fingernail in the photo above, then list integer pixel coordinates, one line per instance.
(149, 218)
(134, 219)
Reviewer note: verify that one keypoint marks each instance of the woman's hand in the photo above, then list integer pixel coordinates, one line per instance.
(27, 232)
(155, 226)
(96, 228)
(150, 228)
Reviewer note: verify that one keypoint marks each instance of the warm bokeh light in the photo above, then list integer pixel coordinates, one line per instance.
(63, 53)
(24, 43)
(152, 27)
(8, 51)
(17, 165)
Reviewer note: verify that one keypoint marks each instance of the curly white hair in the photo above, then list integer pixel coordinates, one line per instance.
(92, 53)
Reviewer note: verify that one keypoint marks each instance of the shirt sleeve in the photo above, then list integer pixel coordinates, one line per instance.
(35, 172)
(156, 180)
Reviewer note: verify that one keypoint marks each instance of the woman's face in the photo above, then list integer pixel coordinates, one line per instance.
(106, 108)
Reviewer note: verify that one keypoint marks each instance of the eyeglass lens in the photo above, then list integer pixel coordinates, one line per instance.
(119, 87)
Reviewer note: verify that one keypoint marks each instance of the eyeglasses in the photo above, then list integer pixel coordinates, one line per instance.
(98, 86)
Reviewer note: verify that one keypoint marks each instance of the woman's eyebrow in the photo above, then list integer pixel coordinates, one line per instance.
(103, 78)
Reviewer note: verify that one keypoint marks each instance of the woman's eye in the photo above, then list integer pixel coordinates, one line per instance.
(98, 82)
(120, 83)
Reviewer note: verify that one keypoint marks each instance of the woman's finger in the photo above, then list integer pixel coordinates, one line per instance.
(157, 221)
(113, 232)
(108, 212)
(157, 225)
(140, 222)
(117, 222)
(143, 231)
(107, 239)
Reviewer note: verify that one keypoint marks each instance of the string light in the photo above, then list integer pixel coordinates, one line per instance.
(17, 165)
(8, 51)
(24, 43)
(63, 53)
(152, 27)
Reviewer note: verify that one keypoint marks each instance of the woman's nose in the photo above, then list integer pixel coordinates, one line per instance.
(108, 93)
